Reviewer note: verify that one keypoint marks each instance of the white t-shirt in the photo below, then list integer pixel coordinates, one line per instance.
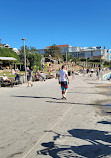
(5, 78)
(63, 74)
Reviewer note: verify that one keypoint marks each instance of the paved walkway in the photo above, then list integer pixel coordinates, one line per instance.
(36, 123)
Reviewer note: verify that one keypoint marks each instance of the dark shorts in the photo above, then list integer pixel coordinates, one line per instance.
(28, 78)
(64, 85)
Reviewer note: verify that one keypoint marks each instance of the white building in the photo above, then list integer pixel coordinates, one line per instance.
(16, 50)
(6, 45)
(92, 53)
(83, 53)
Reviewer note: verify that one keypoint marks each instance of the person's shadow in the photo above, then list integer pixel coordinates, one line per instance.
(98, 145)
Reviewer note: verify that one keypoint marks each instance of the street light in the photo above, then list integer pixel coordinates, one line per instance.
(66, 59)
(86, 62)
(25, 61)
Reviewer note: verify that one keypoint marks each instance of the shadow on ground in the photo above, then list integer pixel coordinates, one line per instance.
(105, 122)
(61, 100)
(65, 102)
(83, 92)
(98, 145)
(35, 97)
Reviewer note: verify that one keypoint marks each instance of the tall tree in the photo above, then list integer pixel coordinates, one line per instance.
(8, 52)
(68, 57)
(33, 50)
(27, 51)
(33, 58)
(54, 51)
(37, 62)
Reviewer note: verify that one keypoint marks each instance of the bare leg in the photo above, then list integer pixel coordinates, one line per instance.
(62, 93)
(30, 83)
(8, 80)
(65, 93)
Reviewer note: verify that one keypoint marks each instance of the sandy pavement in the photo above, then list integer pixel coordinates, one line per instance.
(36, 123)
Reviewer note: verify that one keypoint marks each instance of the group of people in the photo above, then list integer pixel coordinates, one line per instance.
(29, 74)
(97, 70)
(63, 77)
(6, 79)
(15, 71)
(86, 71)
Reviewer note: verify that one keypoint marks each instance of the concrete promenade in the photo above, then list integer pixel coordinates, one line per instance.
(36, 123)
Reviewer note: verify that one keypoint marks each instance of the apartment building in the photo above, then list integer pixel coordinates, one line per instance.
(83, 53)
(92, 53)
(64, 48)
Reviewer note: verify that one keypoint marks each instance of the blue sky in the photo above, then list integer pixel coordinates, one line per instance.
(46, 22)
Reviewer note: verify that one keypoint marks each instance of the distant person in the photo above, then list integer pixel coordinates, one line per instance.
(17, 70)
(43, 66)
(84, 71)
(29, 74)
(73, 74)
(63, 80)
(13, 71)
(5, 78)
(92, 71)
(97, 73)
(17, 78)
(36, 75)
(87, 70)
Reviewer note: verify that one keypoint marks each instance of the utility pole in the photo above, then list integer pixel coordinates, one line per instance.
(66, 59)
(25, 61)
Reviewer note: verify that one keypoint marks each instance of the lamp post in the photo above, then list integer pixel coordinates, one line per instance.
(25, 60)
(66, 59)
(86, 62)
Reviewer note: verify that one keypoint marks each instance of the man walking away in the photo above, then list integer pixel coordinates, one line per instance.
(29, 77)
(63, 78)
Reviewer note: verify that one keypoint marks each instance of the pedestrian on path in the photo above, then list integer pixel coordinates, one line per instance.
(73, 74)
(84, 71)
(97, 73)
(63, 80)
(92, 71)
(29, 74)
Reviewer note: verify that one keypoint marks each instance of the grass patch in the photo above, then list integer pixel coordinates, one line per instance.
(9, 74)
